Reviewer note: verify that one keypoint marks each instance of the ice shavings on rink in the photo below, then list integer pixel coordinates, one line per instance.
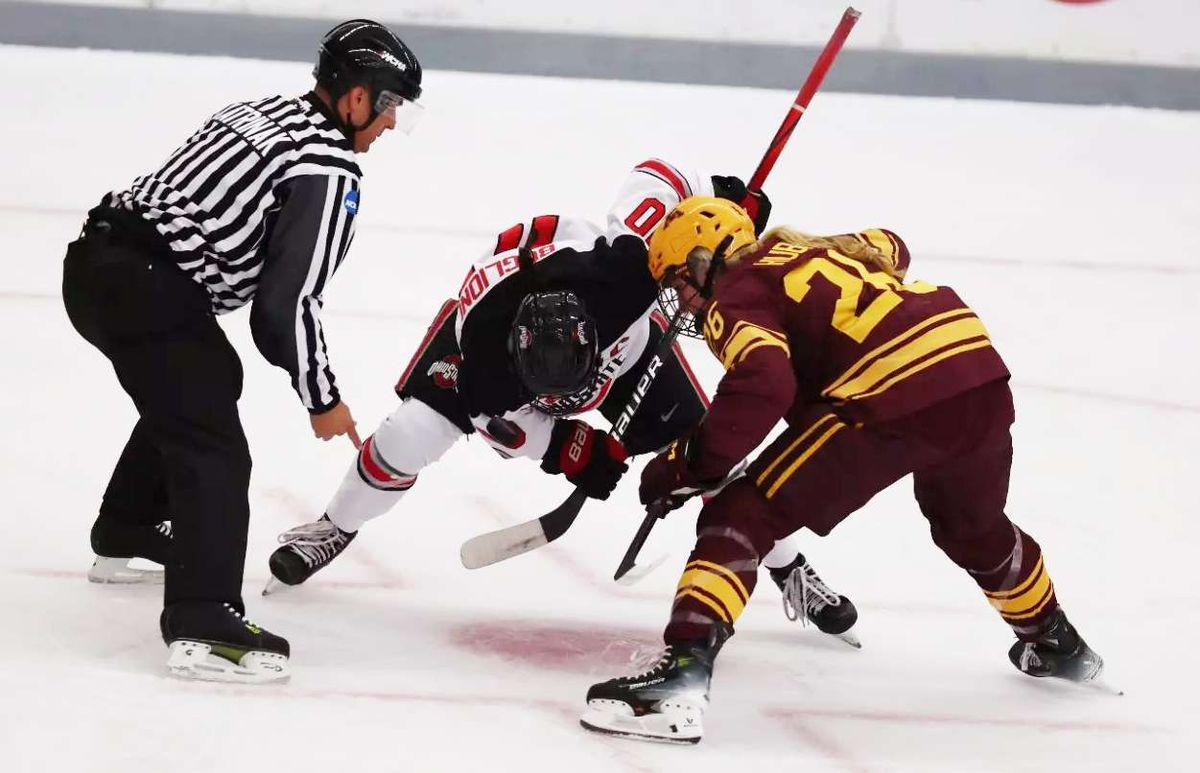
(1071, 230)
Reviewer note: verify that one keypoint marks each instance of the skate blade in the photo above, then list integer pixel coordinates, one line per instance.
(116, 571)
(1097, 681)
(195, 660)
(850, 636)
(639, 571)
(272, 585)
(681, 725)
(1103, 686)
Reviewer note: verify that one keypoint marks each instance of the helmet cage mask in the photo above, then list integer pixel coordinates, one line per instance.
(554, 350)
(683, 279)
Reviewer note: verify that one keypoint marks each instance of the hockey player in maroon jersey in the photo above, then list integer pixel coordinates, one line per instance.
(557, 318)
(876, 379)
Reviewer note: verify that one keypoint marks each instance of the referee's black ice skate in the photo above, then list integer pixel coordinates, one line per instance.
(665, 704)
(804, 590)
(1059, 651)
(306, 550)
(214, 641)
(116, 543)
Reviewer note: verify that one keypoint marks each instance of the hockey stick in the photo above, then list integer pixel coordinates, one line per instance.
(813, 82)
(510, 541)
(805, 95)
(656, 511)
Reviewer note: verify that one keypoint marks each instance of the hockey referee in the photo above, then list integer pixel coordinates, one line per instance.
(257, 206)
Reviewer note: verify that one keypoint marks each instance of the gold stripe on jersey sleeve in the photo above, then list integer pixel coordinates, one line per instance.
(879, 239)
(904, 355)
(745, 338)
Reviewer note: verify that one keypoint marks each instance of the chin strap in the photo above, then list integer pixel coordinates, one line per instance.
(348, 128)
(716, 264)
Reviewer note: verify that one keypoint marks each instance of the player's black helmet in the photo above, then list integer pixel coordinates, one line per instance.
(361, 52)
(554, 349)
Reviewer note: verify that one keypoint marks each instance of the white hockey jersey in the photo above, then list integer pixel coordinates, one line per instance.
(605, 267)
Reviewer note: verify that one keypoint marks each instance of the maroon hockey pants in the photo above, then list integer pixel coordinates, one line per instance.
(820, 470)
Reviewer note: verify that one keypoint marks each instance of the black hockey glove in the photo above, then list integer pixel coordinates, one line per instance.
(755, 203)
(589, 457)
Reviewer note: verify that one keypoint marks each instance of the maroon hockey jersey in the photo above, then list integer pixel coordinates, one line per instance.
(796, 324)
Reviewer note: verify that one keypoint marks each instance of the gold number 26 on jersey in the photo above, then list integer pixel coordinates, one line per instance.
(851, 278)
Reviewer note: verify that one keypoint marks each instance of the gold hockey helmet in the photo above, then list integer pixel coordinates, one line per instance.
(698, 221)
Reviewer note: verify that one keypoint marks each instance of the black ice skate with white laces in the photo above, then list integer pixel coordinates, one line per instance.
(116, 543)
(665, 703)
(213, 641)
(1059, 651)
(306, 550)
(807, 598)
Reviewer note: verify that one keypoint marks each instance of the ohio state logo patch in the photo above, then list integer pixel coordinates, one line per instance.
(445, 371)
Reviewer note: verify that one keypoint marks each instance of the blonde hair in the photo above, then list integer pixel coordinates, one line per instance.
(846, 245)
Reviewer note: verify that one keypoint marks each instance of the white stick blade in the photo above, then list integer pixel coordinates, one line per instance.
(495, 546)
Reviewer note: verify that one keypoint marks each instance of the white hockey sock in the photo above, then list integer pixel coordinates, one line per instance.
(357, 502)
(782, 554)
(412, 437)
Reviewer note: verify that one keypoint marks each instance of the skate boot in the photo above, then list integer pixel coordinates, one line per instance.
(664, 704)
(1058, 651)
(804, 590)
(213, 641)
(306, 550)
(116, 543)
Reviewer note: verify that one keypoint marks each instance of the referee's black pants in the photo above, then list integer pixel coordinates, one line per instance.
(186, 459)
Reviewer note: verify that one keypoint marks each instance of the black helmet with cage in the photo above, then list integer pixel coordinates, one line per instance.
(361, 52)
(554, 350)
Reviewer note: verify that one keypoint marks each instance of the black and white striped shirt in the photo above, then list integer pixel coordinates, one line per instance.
(260, 204)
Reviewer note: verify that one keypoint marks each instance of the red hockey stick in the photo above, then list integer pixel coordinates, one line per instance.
(811, 84)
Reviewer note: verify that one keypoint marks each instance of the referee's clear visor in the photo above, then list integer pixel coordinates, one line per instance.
(407, 112)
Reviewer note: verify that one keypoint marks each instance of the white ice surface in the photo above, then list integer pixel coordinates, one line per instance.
(1072, 230)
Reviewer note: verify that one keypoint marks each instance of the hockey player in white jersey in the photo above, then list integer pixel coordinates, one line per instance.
(557, 318)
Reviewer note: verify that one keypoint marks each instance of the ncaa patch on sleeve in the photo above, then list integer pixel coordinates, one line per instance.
(351, 202)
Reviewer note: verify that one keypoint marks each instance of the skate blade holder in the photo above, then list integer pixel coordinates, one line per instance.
(676, 722)
(196, 660)
(117, 571)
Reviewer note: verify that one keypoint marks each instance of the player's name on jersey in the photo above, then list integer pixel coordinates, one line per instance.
(481, 277)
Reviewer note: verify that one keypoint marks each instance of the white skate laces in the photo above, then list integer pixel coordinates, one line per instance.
(646, 661)
(805, 592)
(1029, 657)
(316, 542)
(163, 528)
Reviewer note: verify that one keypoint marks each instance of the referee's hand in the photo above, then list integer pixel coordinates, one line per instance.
(336, 421)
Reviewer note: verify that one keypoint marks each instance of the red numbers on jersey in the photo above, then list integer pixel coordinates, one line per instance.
(645, 216)
(540, 244)
(540, 235)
